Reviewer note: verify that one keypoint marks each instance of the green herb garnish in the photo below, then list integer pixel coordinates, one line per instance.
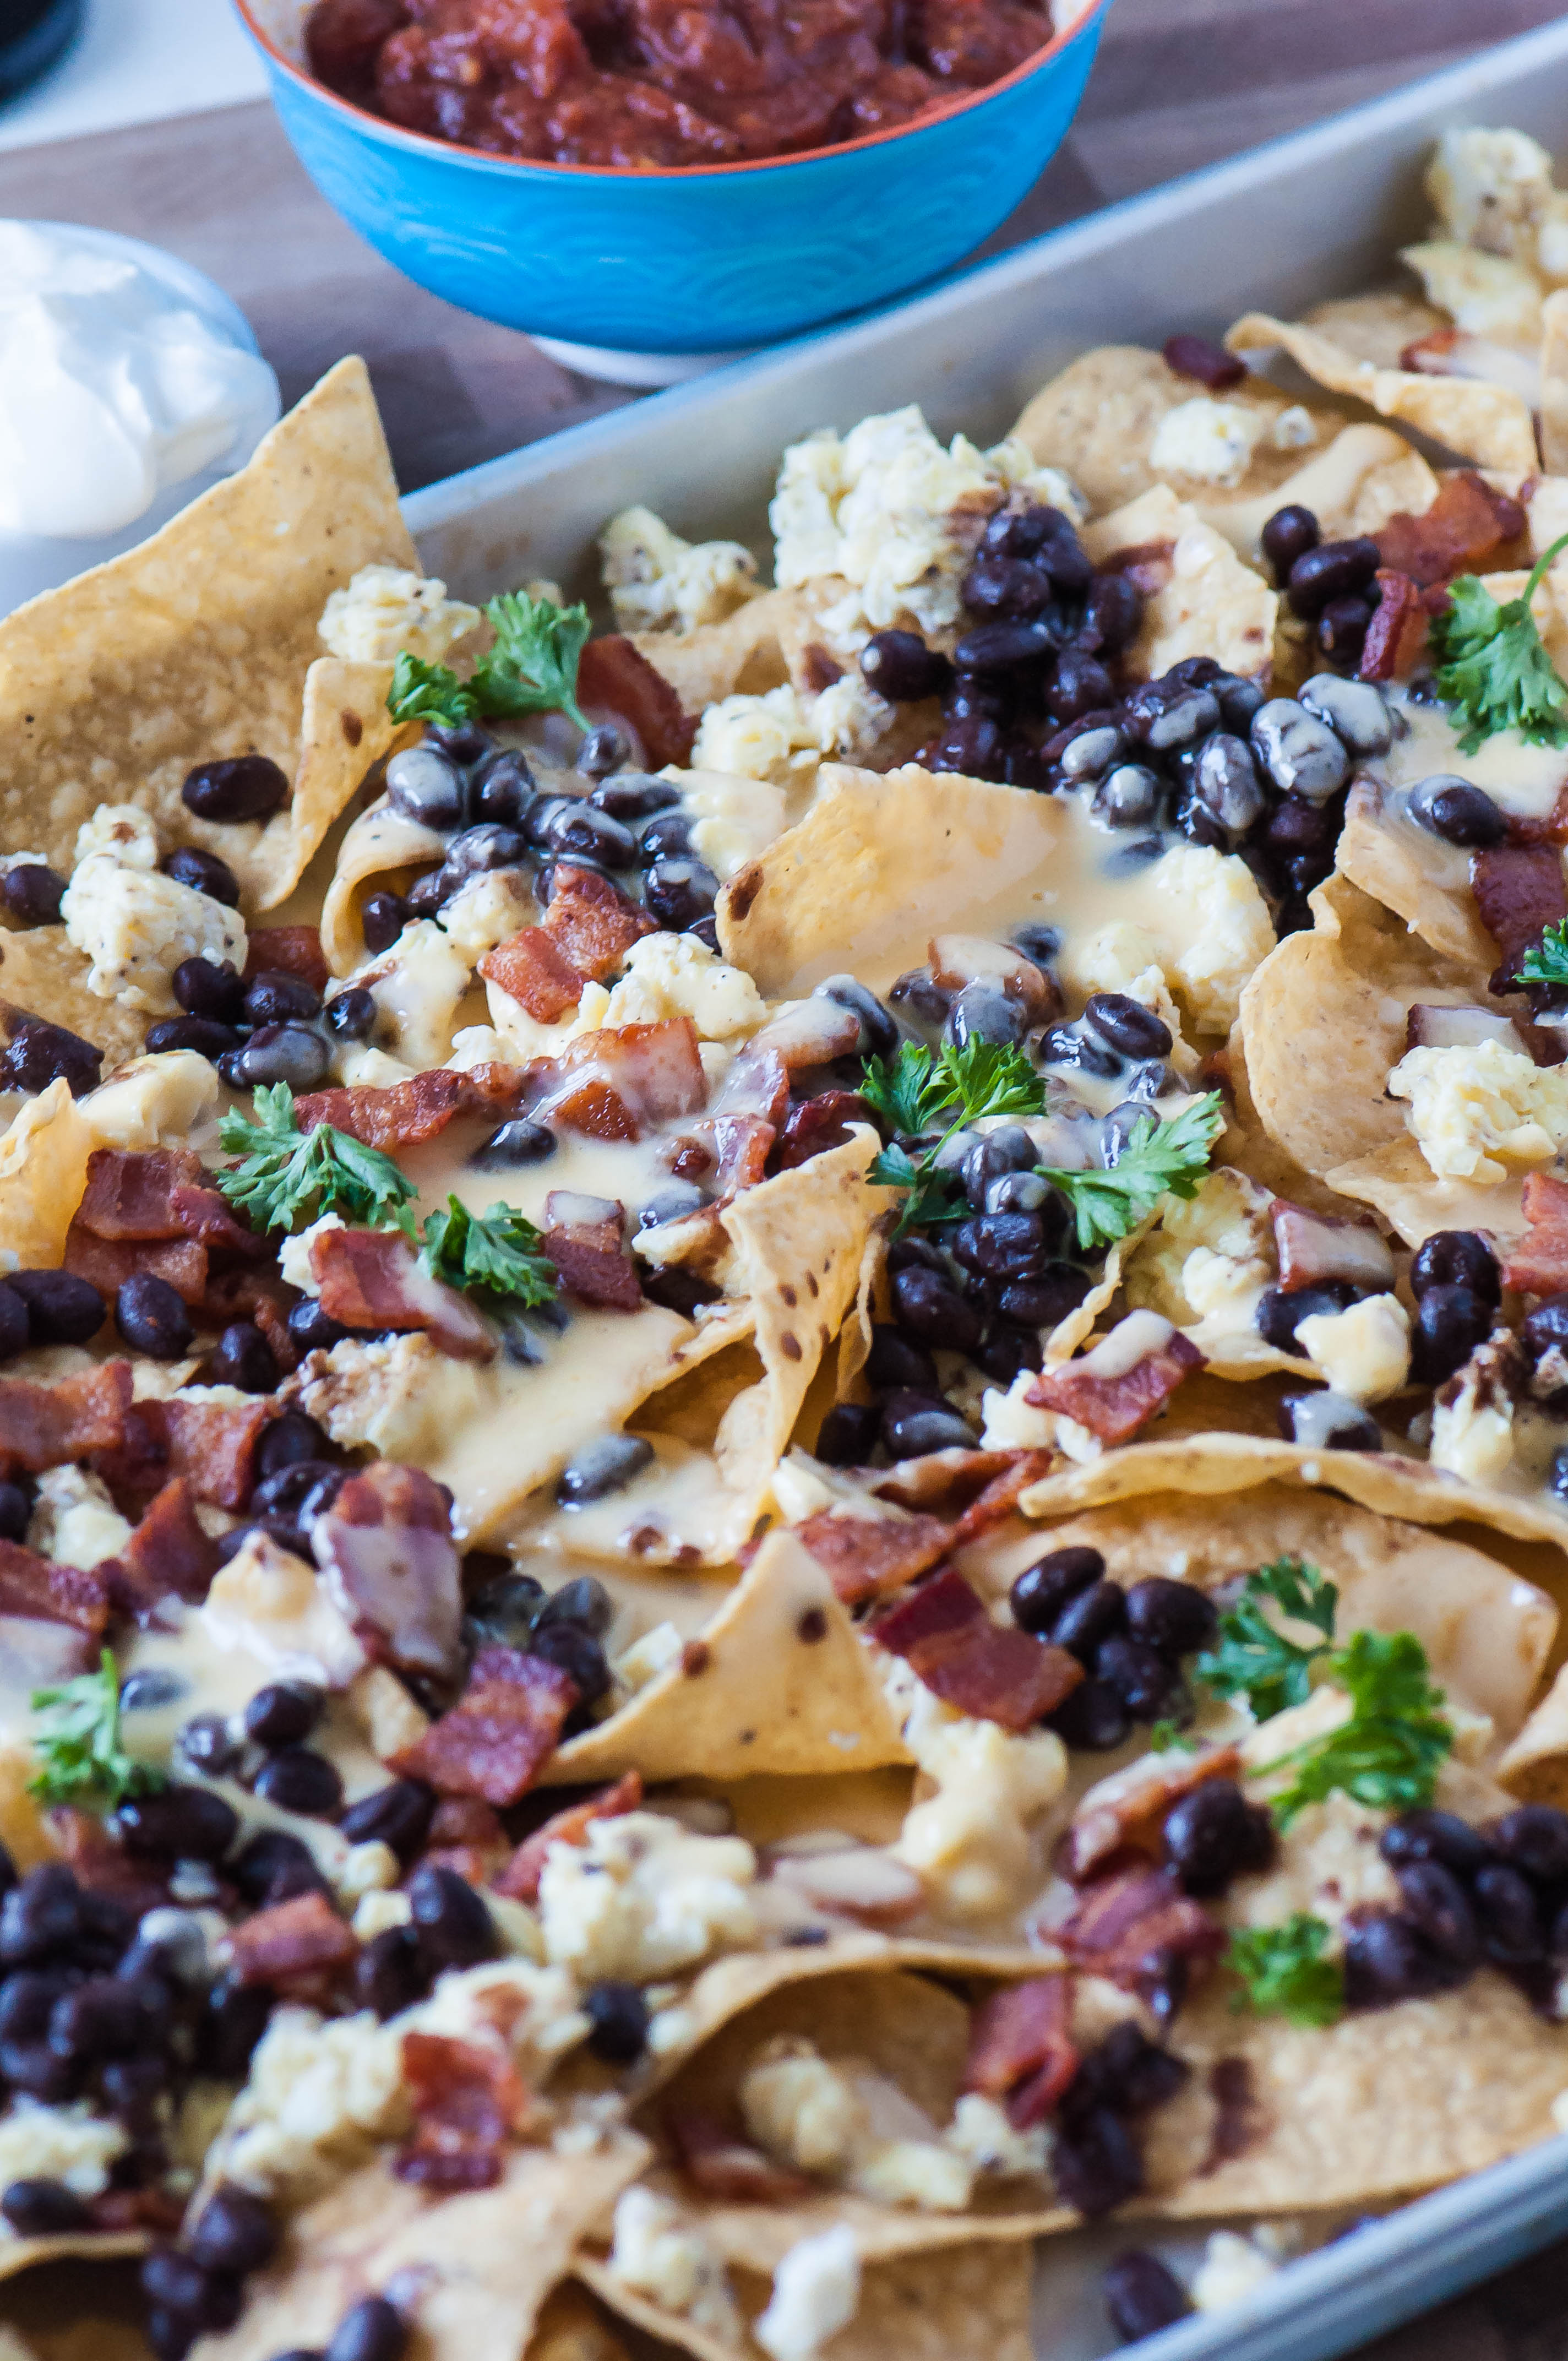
(1253, 1659)
(429, 692)
(1547, 960)
(494, 1255)
(960, 1086)
(286, 1175)
(77, 1743)
(1387, 1754)
(1166, 1738)
(1492, 667)
(1160, 1159)
(532, 668)
(1284, 1973)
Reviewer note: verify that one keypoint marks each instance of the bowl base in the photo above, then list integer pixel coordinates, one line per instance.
(646, 370)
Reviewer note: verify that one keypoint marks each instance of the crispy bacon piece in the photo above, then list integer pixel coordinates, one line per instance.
(530, 969)
(170, 1553)
(1464, 531)
(867, 1557)
(106, 1264)
(979, 1667)
(984, 1486)
(387, 1563)
(158, 1194)
(464, 1820)
(740, 1146)
(1021, 2047)
(372, 1278)
(1552, 830)
(35, 1585)
(721, 2165)
(613, 1084)
(213, 1446)
(46, 1426)
(757, 1084)
(467, 2101)
(1398, 631)
(288, 950)
(406, 1113)
(499, 1734)
(1312, 1247)
(1114, 1407)
(102, 1866)
(296, 1944)
(613, 672)
(818, 1124)
(1125, 1812)
(1131, 1927)
(593, 1274)
(592, 922)
(996, 1503)
(519, 1878)
(1539, 1264)
(1519, 892)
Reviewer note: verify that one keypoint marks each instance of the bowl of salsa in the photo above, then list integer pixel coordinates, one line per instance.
(674, 177)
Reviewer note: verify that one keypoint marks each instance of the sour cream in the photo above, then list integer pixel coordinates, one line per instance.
(124, 378)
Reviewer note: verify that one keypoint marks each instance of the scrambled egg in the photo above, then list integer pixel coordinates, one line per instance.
(658, 582)
(641, 1896)
(676, 975)
(1210, 1258)
(387, 611)
(657, 2254)
(783, 736)
(1477, 1110)
(68, 2144)
(1209, 441)
(1364, 1351)
(1493, 191)
(133, 924)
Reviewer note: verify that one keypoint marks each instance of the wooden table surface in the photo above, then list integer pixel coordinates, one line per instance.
(1179, 84)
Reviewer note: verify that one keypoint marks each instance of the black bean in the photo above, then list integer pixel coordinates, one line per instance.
(297, 1779)
(1041, 1303)
(1147, 1686)
(1213, 1835)
(40, 2073)
(879, 1033)
(312, 1329)
(209, 1040)
(1225, 782)
(1457, 1258)
(151, 1316)
(261, 1860)
(1038, 942)
(1279, 1315)
(274, 997)
(971, 743)
(430, 893)
(1078, 1053)
(1001, 647)
(901, 667)
(848, 1435)
(285, 1493)
(1387, 1958)
(178, 1824)
(1437, 1903)
(1005, 1349)
(291, 1053)
(578, 1654)
(932, 1311)
(235, 2231)
(1533, 1837)
(1458, 811)
(206, 1745)
(506, 1609)
(1090, 1617)
(205, 873)
(1546, 1327)
(501, 789)
(102, 2018)
(1350, 1428)
(1167, 713)
(244, 787)
(14, 1339)
(234, 2019)
(1509, 1915)
(43, 1914)
(1450, 1322)
(982, 1013)
(1356, 710)
(1177, 1618)
(1299, 753)
(1079, 684)
(1142, 2295)
(283, 1713)
(32, 894)
(426, 786)
(601, 1469)
(292, 1436)
(374, 2330)
(996, 584)
(44, 2209)
(61, 1309)
(170, 2335)
(1290, 533)
(391, 1972)
(1031, 1193)
(40, 1053)
(913, 1424)
(1001, 1246)
(451, 1919)
(209, 2299)
(27, 1999)
(618, 2016)
(1096, 2164)
(1127, 1025)
(1112, 609)
(398, 1815)
(1043, 1589)
(514, 1144)
(577, 829)
(1092, 1718)
(677, 893)
(584, 1601)
(242, 1357)
(1429, 1835)
(635, 795)
(604, 750)
(211, 989)
(1334, 569)
(382, 918)
(1342, 627)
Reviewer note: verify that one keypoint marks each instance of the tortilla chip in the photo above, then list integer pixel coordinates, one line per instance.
(1199, 599)
(1554, 382)
(41, 974)
(1377, 327)
(43, 1171)
(572, 2327)
(741, 656)
(345, 733)
(1385, 862)
(1535, 1767)
(381, 847)
(779, 1681)
(1245, 1144)
(19, 2255)
(196, 644)
(1486, 424)
(482, 2263)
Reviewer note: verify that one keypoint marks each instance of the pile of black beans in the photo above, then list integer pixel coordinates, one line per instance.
(1131, 1643)
(567, 1626)
(1457, 1284)
(1094, 2154)
(1468, 1898)
(274, 1028)
(483, 799)
(198, 2286)
(57, 1307)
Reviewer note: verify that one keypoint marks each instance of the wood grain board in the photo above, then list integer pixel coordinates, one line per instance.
(1178, 84)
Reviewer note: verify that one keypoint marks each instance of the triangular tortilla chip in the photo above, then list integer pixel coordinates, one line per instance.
(43, 1171)
(1384, 861)
(41, 974)
(1199, 597)
(1488, 424)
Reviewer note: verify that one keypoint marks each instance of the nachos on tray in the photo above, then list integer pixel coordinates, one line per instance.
(783, 1391)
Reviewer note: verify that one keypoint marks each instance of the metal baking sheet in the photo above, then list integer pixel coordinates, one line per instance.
(1283, 226)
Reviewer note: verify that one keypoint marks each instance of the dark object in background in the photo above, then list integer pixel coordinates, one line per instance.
(33, 35)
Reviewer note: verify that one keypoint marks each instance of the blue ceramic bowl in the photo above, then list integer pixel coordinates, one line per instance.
(705, 260)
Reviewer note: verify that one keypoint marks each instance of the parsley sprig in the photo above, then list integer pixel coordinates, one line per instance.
(531, 668)
(1388, 1753)
(77, 1741)
(1492, 667)
(1160, 1159)
(1547, 960)
(1169, 1738)
(1284, 1973)
(958, 1086)
(494, 1255)
(287, 1176)
(1255, 1660)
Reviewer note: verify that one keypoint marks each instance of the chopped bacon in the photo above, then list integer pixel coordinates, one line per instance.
(101, 1864)
(816, 1125)
(866, 1558)
(118, 2209)
(983, 1485)
(35, 1585)
(757, 1084)
(615, 673)
(1114, 1407)
(594, 1274)
(613, 1084)
(1312, 1247)
(741, 1145)
(388, 1564)
(372, 1278)
(530, 969)
(170, 1553)
(464, 1820)
(158, 1194)
(1398, 631)
(1464, 531)
(1551, 830)
(859, 1882)
(720, 2165)
(499, 1734)
(46, 1426)
(592, 922)
(467, 2102)
(1519, 892)
(407, 1114)
(1129, 1927)
(990, 1670)
(1539, 1264)
(213, 1446)
(519, 1878)
(596, 1222)
(1001, 1497)
(1125, 1812)
(106, 1263)
(1021, 2047)
(299, 1942)
(288, 950)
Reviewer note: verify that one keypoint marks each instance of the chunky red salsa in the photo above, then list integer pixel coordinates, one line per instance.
(664, 82)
